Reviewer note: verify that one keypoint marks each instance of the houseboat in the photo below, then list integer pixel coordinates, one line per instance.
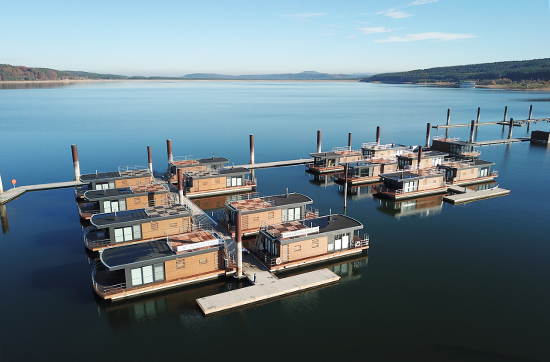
(257, 211)
(187, 164)
(151, 266)
(413, 183)
(136, 226)
(300, 242)
(419, 159)
(126, 198)
(330, 162)
(454, 147)
(467, 172)
(216, 182)
(113, 180)
(367, 171)
(375, 150)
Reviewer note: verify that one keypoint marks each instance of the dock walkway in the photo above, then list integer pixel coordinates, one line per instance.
(501, 142)
(253, 166)
(266, 289)
(13, 193)
(464, 194)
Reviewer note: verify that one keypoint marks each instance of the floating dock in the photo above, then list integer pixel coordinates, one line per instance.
(253, 166)
(15, 192)
(266, 289)
(502, 142)
(464, 195)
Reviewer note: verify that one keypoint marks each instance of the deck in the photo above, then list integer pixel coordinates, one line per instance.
(266, 289)
(501, 142)
(15, 192)
(253, 166)
(467, 195)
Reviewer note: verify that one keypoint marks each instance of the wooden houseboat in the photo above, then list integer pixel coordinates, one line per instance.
(259, 211)
(113, 180)
(127, 198)
(413, 183)
(169, 262)
(467, 172)
(330, 162)
(375, 150)
(216, 182)
(419, 159)
(367, 171)
(454, 147)
(300, 242)
(136, 226)
(191, 165)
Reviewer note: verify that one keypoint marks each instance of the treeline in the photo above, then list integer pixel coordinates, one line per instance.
(500, 72)
(19, 73)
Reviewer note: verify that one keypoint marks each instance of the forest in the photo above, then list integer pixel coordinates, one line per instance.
(21, 73)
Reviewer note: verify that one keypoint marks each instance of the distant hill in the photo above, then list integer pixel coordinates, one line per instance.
(21, 73)
(523, 71)
(308, 75)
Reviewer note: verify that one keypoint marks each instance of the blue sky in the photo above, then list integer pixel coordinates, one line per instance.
(173, 38)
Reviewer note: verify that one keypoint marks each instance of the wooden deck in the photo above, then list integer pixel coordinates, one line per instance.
(253, 166)
(502, 142)
(266, 289)
(13, 193)
(467, 195)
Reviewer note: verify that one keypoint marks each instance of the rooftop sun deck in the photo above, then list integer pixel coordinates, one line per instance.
(199, 238)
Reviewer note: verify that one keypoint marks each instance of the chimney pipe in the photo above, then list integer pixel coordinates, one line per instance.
(76, 163)
(349, 141)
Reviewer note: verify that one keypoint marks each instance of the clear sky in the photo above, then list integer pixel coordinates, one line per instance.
(178, 37)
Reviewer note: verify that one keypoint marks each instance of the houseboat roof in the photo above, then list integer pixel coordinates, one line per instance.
(201, 161)
(325, 154)
(467, 164)
(115, 175)
(421, 173)
(95, 195)
(160, 249)
(291, 230)
(425, 154)
(456, 141)
(245, 206)
(216, 173)
(130, 217)
(375, 146)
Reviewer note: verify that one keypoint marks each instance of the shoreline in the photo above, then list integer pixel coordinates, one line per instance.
(478, 86)
(67, 81)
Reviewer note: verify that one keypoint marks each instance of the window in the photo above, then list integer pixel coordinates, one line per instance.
(234, 181)
(147, 274)
(271, 215)
(345, 241)
(203, 261)
(257, 218)
(297, 248)
(315, 243)
(483, 172)
(338, 242)
(218, 181)
(105, 185)
(180, 264)
(127, 233)
(294, 213)
(114, 206)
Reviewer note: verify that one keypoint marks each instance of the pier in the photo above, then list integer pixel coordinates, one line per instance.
(266, 289)
(254, 166)
(15, 192)
(463, 195)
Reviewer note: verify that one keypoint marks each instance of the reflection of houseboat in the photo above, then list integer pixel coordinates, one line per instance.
(468, 172)
(135, 226)
(375, 150)
(261, 211)
(159, 264)
(420, 159)
(301, 242)
(329, 162)
(422, 206)
(191, 165)
(361, 192)
(216, 182)
(367, 171)
(128, 198)
(413, 183)
(113, 180)
(454, 147)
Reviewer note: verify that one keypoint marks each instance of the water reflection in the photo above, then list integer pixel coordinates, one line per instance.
(38, 85)
(422, 206)
(4, 219)
(361, 192)
(322, 180)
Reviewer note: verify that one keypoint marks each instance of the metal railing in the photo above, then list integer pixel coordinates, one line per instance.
(446, 138)
(360, 241)
(105, 290)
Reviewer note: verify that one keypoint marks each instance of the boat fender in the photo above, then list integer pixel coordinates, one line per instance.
(278, 261)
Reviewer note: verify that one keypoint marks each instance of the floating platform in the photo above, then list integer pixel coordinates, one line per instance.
(466, 195)
(253, 166)
(13, 193)
(502, 142)
(268, 289)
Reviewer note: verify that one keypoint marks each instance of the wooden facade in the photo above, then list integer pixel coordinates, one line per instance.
(215, 182)
(468, 172)
(407, 184)
(330, 162)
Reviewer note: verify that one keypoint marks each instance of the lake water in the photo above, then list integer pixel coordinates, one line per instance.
(442, 283)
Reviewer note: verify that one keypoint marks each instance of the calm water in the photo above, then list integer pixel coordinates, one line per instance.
(447, 283)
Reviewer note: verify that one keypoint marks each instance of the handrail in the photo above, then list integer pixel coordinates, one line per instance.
(105, 290)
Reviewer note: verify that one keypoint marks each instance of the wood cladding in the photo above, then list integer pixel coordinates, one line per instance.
(305, 249)
(161, 228)
(194, 265)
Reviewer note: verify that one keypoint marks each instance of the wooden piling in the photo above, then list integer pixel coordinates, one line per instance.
(530, 116)
(478, 114)
(4, 219)
(505, 113)
(318, 141)
(428, 129)
(349, 141)
(251, 149)
(76, 163)
(239, 242)
(1, 185)
(169, 150)
(180, 184)
(419, 155)
(448, 123)
(378, 135)
(510, 130)
(150, 159)
(472, 131)
(346, 167)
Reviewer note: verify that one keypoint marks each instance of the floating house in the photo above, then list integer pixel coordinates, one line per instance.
(330, 162)
(259, 211)
(127, 198)
(464, 172)
(192, 165)
(454, 147)
(419, 159)
(169, 262)
(113, 180)
(413, 183)
(300, 242)
(376, 150)
(221, 181)
(136, 226)
(367, 171)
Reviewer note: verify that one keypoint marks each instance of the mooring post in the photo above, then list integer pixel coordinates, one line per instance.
(180, 184)
(1, 185)
(239, 242)
(378, 135)
(349, 141)
(251, 149)
(510, 130)
(4, 219)
(428, 129)
(448, 123)
(169, 150)
(150, 159)
(346, 167)
(530, 116)
(318, 141)
(472, 131)
(76, 164)
(419, 157)
(505, 113)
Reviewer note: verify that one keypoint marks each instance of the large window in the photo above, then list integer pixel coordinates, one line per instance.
(234, 181)
(293, 213)
(105, 185)
(127, 233)
(114, 206)
(410, 186)
(147, 274)
(483, 172)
